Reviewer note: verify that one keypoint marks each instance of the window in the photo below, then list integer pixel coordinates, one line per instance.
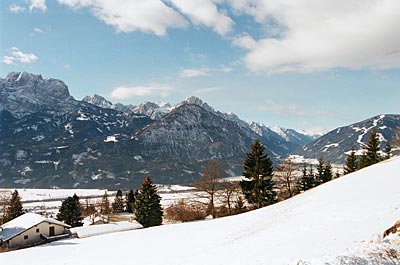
(26, 237)
(37, 230)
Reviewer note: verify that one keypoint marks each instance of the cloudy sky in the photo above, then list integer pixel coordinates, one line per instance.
(310, 64)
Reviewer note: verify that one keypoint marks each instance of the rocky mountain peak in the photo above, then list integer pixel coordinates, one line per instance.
(98, 101)
(22, 93)
(35, 85)
(192, 100)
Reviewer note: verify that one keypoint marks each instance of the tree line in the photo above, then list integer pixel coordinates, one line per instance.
(144, 203)
(371, 155)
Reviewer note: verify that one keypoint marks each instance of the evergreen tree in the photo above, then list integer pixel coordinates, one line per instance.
(373, 148)
(388, 151)
(130, 201)
(351, 162)
(70, 212)
(307, 180)
(363, 160)
(320, 171)
(148, 208)
(328, 174)
(15, 208)
(258, 188)
(105, 204)
(118, 204)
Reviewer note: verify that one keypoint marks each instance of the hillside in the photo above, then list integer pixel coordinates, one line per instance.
(336, 144)
(335, 222)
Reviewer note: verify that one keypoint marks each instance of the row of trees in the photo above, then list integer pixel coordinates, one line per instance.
(145, 204)
(370, 156)
(310, 179)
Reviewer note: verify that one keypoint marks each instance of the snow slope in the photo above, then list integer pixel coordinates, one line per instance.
(321, 224)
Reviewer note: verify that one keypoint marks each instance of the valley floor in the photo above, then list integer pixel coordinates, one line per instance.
(340, 222)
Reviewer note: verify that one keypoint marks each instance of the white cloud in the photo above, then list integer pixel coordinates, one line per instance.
(134, 15)
(188, 73)
(8, 60)
(205, 12)
(204, 71)
(14, 8)
(127, 92)
(245, 41)
(38, 30)
(16, 55)
(321, 35)
(38, 4)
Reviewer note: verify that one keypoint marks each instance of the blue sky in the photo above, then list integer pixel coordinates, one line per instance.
(312, 65)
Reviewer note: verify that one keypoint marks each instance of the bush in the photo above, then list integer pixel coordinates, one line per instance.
(183, 212)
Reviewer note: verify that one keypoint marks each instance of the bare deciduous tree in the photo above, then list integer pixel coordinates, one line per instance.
(229, 189)
(208, 183)
(285, 170)
(5, 196)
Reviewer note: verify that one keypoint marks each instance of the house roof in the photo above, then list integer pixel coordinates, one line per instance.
(23, 223)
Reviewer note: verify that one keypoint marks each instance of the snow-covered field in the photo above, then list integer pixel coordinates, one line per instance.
(338, 222)
(50, 200)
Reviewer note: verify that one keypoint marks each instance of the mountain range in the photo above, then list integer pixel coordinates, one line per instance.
(48, 138)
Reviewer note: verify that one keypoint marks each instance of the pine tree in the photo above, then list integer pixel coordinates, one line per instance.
(148, 207)
(373, 148)
(118, 204)
(15, 208)
(320, 171)
(351, 162)
(363, 160)
(70, 212)
(307, 180)
(258, 188)
(328, 174)
(388, 151)
(130, 201)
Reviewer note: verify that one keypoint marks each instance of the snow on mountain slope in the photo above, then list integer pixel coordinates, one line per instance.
(321, 224)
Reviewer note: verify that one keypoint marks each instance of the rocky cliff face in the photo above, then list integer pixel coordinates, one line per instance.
(22, 93)
(50, 139)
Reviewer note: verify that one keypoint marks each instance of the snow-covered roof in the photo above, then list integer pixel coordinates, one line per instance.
(23, 223)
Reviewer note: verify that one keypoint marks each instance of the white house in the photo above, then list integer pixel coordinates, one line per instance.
(31, 229)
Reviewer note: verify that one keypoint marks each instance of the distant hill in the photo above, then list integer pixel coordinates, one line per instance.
(335, 145)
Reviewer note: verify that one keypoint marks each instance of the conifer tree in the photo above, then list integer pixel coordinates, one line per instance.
(373, 148)
(320, 171)
(130, 201)
(307, 180)
(70, 212)
(118, 204)
(363, 160)
(328, 174)
(258, 187)
(148, 207)
(351, 162)
(15, 207)
(388, 151)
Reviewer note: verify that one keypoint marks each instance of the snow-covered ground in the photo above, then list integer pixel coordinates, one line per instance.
(95, 230)
(338, 222)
